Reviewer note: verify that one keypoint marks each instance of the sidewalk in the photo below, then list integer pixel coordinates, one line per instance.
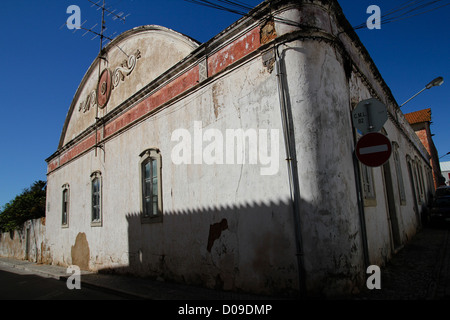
(131, 287)
(420, 271)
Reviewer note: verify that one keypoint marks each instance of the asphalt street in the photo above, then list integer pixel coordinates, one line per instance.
(419, 271)
(19, 284)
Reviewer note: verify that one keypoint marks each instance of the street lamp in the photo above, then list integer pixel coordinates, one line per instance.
(444, 155)
(435, 83)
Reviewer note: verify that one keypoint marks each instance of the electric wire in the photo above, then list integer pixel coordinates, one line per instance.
(404, 15)
(406, 10)
(210, 4)
(239, 6)
(417, 14)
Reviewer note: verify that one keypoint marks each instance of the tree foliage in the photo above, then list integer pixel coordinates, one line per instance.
(30, 204)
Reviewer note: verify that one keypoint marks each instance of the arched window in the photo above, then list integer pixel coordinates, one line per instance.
(398, 168)
(65, 206)
(96, 196)
(151, 186)
(420, 178)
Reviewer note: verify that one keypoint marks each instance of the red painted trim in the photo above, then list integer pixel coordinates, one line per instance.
(52, 165)
(176, 87)
(170, 91)
(234, 51)
(216, 63)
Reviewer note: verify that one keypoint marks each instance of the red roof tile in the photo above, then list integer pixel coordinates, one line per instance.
(419, 116)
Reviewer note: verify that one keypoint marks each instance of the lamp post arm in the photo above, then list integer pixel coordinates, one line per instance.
(444, 155)
(435, 83)
(413, 96)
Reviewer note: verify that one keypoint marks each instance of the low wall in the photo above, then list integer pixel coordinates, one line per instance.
(27, 243)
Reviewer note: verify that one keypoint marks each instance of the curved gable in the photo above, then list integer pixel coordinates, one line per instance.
(131, 61)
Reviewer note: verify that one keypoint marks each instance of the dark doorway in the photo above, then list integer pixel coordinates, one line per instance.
(27, 244)
(391, 206)
(413, 187)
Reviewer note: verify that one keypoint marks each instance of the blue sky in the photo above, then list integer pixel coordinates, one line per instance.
(43, 64)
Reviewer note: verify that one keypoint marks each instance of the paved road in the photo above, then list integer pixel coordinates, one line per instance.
(420, 271)
(22, 285)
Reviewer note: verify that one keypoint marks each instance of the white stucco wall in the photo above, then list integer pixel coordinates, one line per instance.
(323, 137)
(228, 226)
(256, 248)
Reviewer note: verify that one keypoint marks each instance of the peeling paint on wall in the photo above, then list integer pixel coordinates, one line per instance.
(268, 32)
(27, 243)
(215, 231)
(217, 95)
(80, 252)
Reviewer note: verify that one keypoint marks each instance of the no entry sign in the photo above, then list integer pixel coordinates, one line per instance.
(374, 149)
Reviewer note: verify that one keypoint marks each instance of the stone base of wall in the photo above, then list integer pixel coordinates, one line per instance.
(27, 243)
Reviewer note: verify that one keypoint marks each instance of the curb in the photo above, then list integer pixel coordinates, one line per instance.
(108, 289)
(63, 277)
(24, 267)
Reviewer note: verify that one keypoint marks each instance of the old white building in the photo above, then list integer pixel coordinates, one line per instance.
(445, 168)
(230, 164)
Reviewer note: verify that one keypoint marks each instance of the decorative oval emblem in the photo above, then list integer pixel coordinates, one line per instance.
(104, 88)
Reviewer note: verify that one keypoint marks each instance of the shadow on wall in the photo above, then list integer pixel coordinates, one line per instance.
(246, 248)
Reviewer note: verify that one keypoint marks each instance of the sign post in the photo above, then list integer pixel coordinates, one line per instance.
(369, 116)
(373, 149)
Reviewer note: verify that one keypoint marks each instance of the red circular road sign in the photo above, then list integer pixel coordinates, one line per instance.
(374, 149)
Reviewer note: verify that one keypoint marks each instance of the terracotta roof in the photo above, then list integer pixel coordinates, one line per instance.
(419, 116)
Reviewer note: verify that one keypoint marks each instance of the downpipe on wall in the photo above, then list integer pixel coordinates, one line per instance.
(291, 159)
(294, 185)
(362, 216)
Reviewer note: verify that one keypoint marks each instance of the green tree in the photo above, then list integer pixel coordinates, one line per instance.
(30, 204)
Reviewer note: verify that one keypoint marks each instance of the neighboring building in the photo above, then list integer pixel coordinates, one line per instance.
(230, 164)
(445, 169)
(421, 122)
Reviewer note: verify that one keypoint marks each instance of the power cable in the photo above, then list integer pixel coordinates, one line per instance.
(414, 15)
(417, 6)
(408, 9)
(240, 5)
(210, 4)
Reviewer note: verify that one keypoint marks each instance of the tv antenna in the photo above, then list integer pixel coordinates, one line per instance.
(106, 12)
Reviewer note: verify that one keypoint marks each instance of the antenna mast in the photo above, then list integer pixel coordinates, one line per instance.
(104, 77)
(103, 28)
(101, 56)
